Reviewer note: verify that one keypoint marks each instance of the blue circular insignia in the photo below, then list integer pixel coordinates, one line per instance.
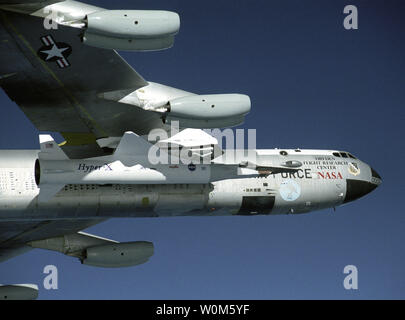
(290, 190)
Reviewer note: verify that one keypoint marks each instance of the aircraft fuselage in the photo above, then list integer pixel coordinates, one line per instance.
(324, 179)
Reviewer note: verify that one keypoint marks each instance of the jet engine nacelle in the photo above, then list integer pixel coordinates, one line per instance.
(118, 255)
(100, 41)
(18, 292)
(209, 111)
(136, 30)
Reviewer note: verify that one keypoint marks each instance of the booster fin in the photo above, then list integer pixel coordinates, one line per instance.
(48, 191)
(50, 150)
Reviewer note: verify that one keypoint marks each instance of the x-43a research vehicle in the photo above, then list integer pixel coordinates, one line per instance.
(59, 64)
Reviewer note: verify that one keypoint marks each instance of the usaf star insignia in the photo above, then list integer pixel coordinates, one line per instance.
(53, 51)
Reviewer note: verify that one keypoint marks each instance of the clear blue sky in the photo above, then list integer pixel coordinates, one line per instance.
(313, 85)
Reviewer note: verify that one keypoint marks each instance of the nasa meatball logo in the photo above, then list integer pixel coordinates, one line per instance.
(191, 167)
(353, 169)
(290, 190)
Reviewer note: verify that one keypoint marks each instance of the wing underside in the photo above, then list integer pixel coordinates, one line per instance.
(15, 235)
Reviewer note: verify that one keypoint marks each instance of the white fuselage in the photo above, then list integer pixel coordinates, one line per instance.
(322, 181)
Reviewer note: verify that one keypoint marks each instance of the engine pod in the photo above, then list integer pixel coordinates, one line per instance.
(100, 41)
(206, 124)
(210, 107)
(133, 24)
(119, 255)
(18, 292)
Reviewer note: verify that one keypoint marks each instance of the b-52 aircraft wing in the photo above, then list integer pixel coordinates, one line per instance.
(14, 236)
(57, 80)
(58, 63)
